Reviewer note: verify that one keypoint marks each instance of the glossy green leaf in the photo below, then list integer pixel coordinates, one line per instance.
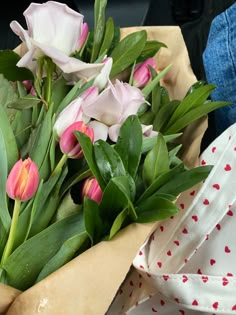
(108, 161)
(60, 90)
(117, 224)
(24, 102)
(88, 151)
(129, 147)
(193, 115)
(155, 208)
(108, 36)
(65, 254)
(99, 19)
(164, 114)
(22, 271)
(150, 49)
(156, 162)
(7, 95)
(8, 67)
(196, 98)
(127, 51)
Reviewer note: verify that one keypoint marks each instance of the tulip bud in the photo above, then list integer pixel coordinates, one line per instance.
(92, 189)
(23, 180)
(69, 144)
(83, 35)
(142, 73)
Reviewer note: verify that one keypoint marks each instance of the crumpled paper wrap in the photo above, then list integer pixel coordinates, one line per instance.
(89, 283)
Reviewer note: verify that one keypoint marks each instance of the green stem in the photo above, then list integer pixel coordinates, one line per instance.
(11, 238)
(60, 164)
(49, 71)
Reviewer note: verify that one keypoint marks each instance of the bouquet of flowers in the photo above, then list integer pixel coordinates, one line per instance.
(90, 139)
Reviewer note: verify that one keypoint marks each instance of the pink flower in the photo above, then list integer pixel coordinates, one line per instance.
(111, 107)
(73, 112)
(83, 36)
(69, 144)
(142, 73)
(23, 180)
(53, 31)
(92, 189)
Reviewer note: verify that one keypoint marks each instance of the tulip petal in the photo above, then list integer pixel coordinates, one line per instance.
(100, 130)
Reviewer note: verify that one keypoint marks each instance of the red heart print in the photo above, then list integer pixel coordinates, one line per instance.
(195, 302)
(230, 213)
(182, 206)
(218, 227)
(213, 149)
(185, 278)
(215, 305)
(227, 168)
(227, 250)
(162, 302)
(141, 267)
(169, 253)
(212, 262)
(225, 281)
(176, 243)
(154, 310)
(140, 284)
(162, 228)
(148, 275)
(131, 283)
(199, 271)
(234, 308)
(206, 202)
(185, 260)
(204, 279)
(207, 237)
(131, 293)
(192, 193)
(229, 274)
(216, 186)
(182, 312)
(185, 231)
(140, 253)
(121, 291)
(234, 148)
(195, 218)
(159, 264)
(165, 277)
(203, 162)
(176, 300)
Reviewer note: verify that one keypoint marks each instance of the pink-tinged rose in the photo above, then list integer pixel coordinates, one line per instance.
(92, 189)
(69, 144)
(73, 112)
(113, 105)
(54, 30)
(142, 73)
(23, 180)
(83, 36)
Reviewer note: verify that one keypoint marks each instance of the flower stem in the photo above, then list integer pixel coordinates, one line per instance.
(60, 164)
(11, 238)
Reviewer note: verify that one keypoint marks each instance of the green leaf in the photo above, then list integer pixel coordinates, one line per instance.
(88, 151)
(117, 224)
(9, 139)
(155, 208)
(7, 95)
(25, 263)
(65, 254)
(127, 51)
(24, 102)
(99, 19)
(108, 161)
(60, 90)
(156, 161)
(8, 67)
(92, 220)
(150, 49)
(186, 180)
(151, 85)
(164, 114)
(193, 115)
(196, 98)
(108, 37)
(129, 147)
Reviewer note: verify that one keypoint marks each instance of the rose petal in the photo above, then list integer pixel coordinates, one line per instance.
(100, 130)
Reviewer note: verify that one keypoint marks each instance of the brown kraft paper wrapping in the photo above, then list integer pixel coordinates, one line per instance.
(88, 284)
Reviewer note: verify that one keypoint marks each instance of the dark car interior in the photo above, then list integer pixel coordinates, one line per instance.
(192, 16)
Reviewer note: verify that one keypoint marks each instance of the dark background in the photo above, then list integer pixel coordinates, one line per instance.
(193, 16)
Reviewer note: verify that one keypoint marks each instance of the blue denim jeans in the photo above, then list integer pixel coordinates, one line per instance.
(219, 59)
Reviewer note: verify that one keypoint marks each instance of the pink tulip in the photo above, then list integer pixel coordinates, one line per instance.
(23, 180)
(142, 73)
(83, 36)
(92, 189)
(69, 144)
(73, 112)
